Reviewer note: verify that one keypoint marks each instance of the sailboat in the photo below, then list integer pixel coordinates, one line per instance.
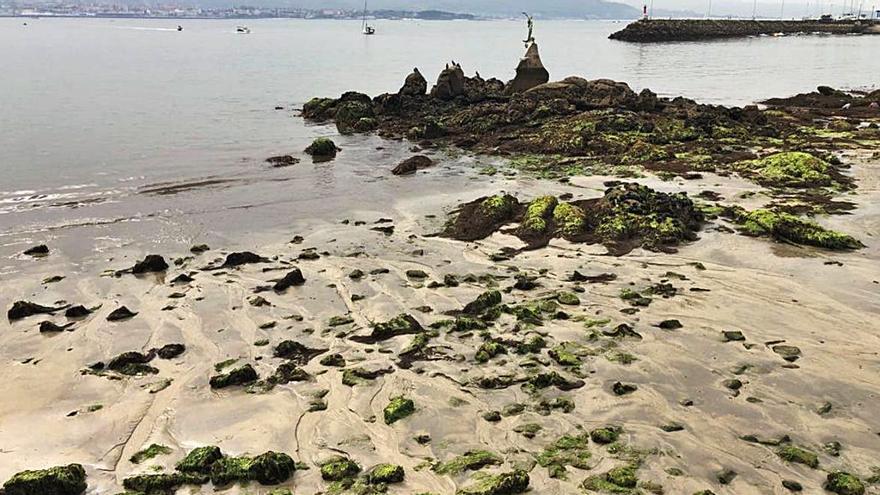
(367, 29)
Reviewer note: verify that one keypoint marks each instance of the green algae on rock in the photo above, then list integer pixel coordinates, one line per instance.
(535, 222)
(621, 480)
(385, 473)
(606, 435)
(792, 453)
(152, 484)
(270, 468)
(402, 324)
(148, 453)
(568, 450)
(482, 303)
(243, 375)
(843, 483)
(627, 216)
(338, 468)
(790, 228)
(200, 460)
(789, 169)
(472, 460)
(399, 408)
(509, 483)
(322, 148)
(58, 480)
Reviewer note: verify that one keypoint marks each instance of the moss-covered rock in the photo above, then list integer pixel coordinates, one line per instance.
(322, 148)
(200, 460)
(539, 212)
(480, 218)
(337, 468)
(402, 324)
(571, 220)
(844, 483)
(621, 480)
(399, 408)
(791, 169)
(470, 461)
(269, 468)
(350, 117)
(606, 434)
(488, 350)
(386, 473)
(58, 480)
(568, 450)
(243, 375)
(790, 228)
(148, 453)
(792, 453)
(482, 303)
(502, 484)
(164, 484)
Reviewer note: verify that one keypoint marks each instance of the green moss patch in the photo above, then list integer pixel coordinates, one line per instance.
(397, 409)
(502, 484)
(150, 452)
(790, 228)
(59, 480)
(470, 461)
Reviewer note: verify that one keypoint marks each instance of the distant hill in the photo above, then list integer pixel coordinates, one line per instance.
(567, 9)
(581, 9)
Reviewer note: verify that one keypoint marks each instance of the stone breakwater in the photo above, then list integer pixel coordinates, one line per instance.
(654, 30)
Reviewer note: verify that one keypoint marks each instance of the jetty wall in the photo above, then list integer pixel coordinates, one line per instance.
(657, 30)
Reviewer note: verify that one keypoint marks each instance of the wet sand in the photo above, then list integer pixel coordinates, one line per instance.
(772, 293)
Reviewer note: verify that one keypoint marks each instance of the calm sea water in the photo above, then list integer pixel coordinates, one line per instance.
(95, 112)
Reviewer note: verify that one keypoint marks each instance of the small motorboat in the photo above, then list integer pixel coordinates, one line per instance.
(179, 28)
(243, 30)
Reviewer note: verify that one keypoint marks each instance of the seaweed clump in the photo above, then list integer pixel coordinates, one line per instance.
(790, 228)
(629, 215)
(843, 483)
(470, 461)
(148, 453)
(208, 463)
(58, 480)
(397, 409)
(568, 450)
(790, 169)
(516, 481)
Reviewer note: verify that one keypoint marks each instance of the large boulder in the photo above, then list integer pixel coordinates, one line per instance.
(450, 83)
(529, 73)
(599, 93)
(414, 85)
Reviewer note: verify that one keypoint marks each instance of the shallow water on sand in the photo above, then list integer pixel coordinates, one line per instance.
(98, 111)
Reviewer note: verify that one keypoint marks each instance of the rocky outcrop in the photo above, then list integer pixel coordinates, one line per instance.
(529, 73)
(450, 83)
(414, 85)
(658, 30)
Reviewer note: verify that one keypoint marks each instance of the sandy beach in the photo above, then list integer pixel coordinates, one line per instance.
(823, 303)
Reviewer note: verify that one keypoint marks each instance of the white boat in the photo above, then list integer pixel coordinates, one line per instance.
(367, 29)
(243, 30)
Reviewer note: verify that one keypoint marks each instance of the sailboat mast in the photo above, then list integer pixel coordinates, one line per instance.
(364, 23)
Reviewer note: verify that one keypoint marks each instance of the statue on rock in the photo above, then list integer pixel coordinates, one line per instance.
(529, 39)
(450, 83)
(415, 84)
